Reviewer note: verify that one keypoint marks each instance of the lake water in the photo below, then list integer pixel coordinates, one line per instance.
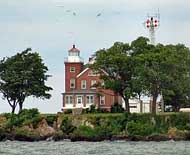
(95, 148)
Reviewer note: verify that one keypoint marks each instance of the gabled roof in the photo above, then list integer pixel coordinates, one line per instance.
(86, 69)
(82, 72)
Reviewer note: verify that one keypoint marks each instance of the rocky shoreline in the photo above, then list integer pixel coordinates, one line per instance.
(55, 137)
(94, 128)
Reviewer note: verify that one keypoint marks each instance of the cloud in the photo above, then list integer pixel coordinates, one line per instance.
(46, 28)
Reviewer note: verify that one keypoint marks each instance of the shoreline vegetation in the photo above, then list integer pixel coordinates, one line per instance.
(30, 125)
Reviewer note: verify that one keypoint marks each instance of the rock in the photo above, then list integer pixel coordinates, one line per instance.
(172, 132)
(44, 129)
(59, 121)
(2, 120)
(136, 138)
(77, 111)
(49, 138)
(25, 133)
(59, 135)
(89, 124)
(158, 138)
(119, 137)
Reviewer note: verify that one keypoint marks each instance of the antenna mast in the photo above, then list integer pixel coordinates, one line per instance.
(152, 23)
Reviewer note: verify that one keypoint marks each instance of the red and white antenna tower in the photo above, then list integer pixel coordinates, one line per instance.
(152, 23)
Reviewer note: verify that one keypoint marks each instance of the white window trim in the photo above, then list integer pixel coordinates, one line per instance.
(83, 84)
(72, 80)
(92, 73)
(90, 99)
(72, 69)
(70, 99)
(81, 96)
(102, 98)
(92, 82)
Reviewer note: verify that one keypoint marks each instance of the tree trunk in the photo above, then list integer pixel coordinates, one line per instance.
(153, 110)
(141, 106)
(127, 108)
(13, 105)
(20, 107)
(13, 109)
(21, 101)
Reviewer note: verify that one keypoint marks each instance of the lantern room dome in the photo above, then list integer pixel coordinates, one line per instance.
(74, 49)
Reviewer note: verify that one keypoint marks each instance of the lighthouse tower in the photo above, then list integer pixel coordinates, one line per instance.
(73, 66)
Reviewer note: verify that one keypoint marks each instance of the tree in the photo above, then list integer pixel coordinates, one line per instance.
(23, 75)
(145, 69)
(177, 91)
(116, 66)
(162, 69)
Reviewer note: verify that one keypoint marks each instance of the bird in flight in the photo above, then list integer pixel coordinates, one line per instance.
(99, 14)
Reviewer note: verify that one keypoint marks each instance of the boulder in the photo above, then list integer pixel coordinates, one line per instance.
(44, 129)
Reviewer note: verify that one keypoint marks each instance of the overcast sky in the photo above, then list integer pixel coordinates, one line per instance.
(50, 27)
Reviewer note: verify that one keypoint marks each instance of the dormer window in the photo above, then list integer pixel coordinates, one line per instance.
(72, 69)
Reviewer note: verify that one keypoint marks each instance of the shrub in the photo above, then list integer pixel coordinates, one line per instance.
(117, 108)
(66, 126)
(26, 135)
(181, 121)
(161, 124)
(93, 109)
(85, 131)
(25, 117)
(136, 128)
(68, 111)
(50, 119)
(29, 113)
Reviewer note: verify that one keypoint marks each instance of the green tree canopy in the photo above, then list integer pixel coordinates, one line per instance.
(162, 70)
(142, 68)
(115, 62)
(177, 91)
(23, 75)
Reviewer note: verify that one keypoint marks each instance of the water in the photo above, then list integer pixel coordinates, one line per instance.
(95, 148)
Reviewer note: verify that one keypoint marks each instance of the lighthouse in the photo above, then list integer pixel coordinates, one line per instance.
(73, 66)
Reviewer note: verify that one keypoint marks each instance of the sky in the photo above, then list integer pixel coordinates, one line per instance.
(51, 27)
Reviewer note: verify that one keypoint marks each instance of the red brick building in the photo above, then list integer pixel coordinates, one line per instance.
(80, 81)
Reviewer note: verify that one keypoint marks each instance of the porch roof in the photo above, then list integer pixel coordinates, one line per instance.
(81, 91)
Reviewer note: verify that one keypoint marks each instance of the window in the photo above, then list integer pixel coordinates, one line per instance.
(73, 53)
(102, 100)
(102, 83)
(79, 99)
(133, 106)
(92, 73)
(69, 99)
(93, 83)
(72, 69)
(89, 99)
(72, 83)
(83, 84)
